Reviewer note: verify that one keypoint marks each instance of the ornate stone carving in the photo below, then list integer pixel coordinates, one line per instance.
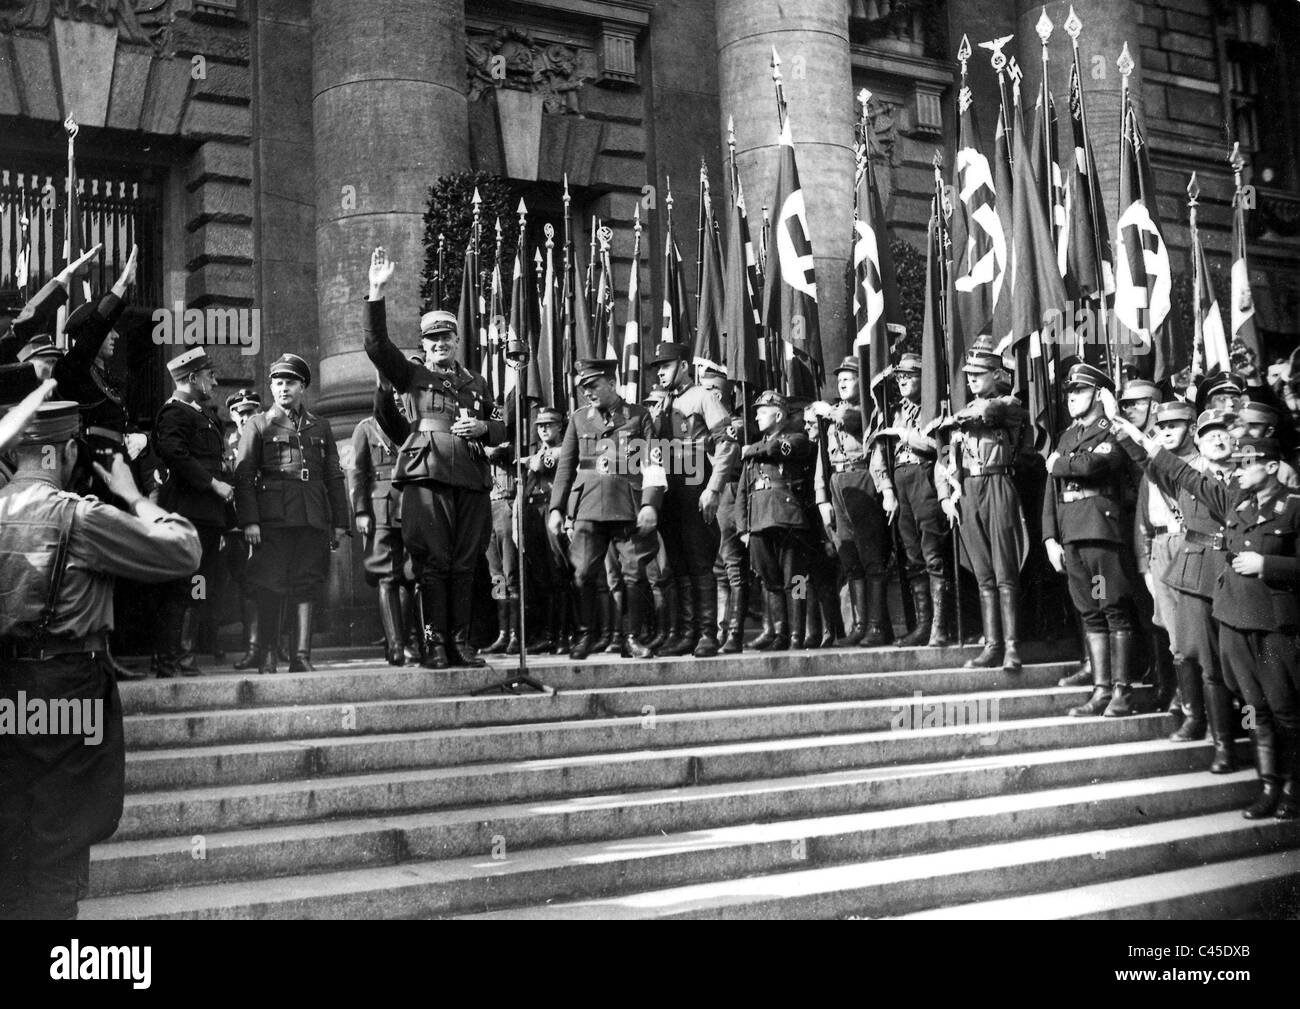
(145, 22)
(515, 59)
(882, 135)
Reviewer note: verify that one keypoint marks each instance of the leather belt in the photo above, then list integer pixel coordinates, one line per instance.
(1159, 530)
(910, 460)
(302, 474)
(986, 470)
(16, 650)
(439, 424)
(1079, 494)
(1214, 540)
(595, 464)
(849, 467)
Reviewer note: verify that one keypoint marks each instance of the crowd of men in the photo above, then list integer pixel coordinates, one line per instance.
(642, 529)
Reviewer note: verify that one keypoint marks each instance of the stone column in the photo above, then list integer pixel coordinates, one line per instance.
(812, 39)
(389, 116)
(1107, 25)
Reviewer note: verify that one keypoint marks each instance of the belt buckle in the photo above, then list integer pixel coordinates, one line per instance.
(304, 474)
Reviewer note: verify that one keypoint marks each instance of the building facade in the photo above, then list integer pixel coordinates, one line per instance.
(258, 150)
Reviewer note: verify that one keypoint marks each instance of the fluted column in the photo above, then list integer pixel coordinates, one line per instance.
(812, 39)
(389, 116)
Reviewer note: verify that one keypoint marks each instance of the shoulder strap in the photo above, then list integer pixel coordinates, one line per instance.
(56, 575)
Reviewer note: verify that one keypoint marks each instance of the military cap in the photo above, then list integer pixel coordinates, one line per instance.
(53, 424)
(39, 346)
(909, 363)
(715, 380)
(549, 415)
(849, 364)
(668, 351)
(291, 366)
(194, 359)
(1219, 385)
(1140, 388)
(438, 321)
(1090, 377)
(17, 381)
(244, 399)
(1212, 418)
(772, 398)
(980, 360)
(78, 316)
(1251, 450)
(1174, 411)
(593, 368)
(1257, 413)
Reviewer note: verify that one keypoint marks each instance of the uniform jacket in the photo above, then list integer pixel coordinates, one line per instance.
(433, 401)
(190, 444)
(1196, 565)
(1265, 602)
(37, 317)
(104, 541)
(774, 481)
(370, 481)
(539, 483)
(915, 449)
(992, 430)
(607, 471)
(696, 422)
(1091, 463)
(79, 376)
(287, 475)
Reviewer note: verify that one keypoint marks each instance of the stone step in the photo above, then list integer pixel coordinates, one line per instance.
(895, 886)
(235, 763)
(371, 680)
(284, 722)
(191, 810)
(756, 869)
(390, 834)
(1267, 885)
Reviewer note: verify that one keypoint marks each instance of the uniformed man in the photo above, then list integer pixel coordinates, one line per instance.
(291, 499)
(979, 493)
(694, 421)
(910, 480)
(199, 486)
(1198, 560)
(38, 315)
(770, 512)
(377, 512)
(61, 792)
(547, 553)
(731, 566)
(609, 483)
(1257, 605)
(1262, 420)
(669, 627)
(821, 617)
(858, 511)
(442, 469)
(1223, 392)
(1085, 537)
(241, 406)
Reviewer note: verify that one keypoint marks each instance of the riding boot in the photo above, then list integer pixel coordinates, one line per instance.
(858, 597)
(828, 605)
(1289, 769)
(614, 631)
(1010, 635)
(767, 637)
(269, 608)
(797, 608)
(991, 655)
(1266, 759)
(512, 617)
(188, 621)
(545, 643)
(413, 643)
(1099, 654)
(780, 621)
(939, 598)
(460, 603)
(660, 596)
(1190, 686)
(1121, 651)
(706, 617)
(433, 601)
(737, 605)
(880, 631)
(723, 603)
(636, 606)
(921, 602)
(686, 603)
(390, 615)
(603, 640)
(1168, 683)
(1223, 727)
(582, 642)
(301, 659)
(498, 646)
(248, 610)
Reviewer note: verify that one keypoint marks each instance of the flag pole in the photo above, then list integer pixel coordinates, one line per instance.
(1125, 64)
(943, 212)
(699, 238)
(999, 61)
(1198, 330)
(1044, 30)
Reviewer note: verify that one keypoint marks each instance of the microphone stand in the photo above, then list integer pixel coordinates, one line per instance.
(517, 357)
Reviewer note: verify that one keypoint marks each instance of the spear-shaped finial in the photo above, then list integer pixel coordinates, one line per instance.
(566, 192)
(776, 66)
(522, 211)
(1237, 161)
(1193, 191)
(442, 241)
(537, 257)
(1073, 26)
(731, 132)
(636, 220)
(963, 53)
(1044, 27)
(668, 187)
(1125, 62)
(499, 231)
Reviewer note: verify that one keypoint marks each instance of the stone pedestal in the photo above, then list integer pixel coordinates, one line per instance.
(812, 40)
(388, 117)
